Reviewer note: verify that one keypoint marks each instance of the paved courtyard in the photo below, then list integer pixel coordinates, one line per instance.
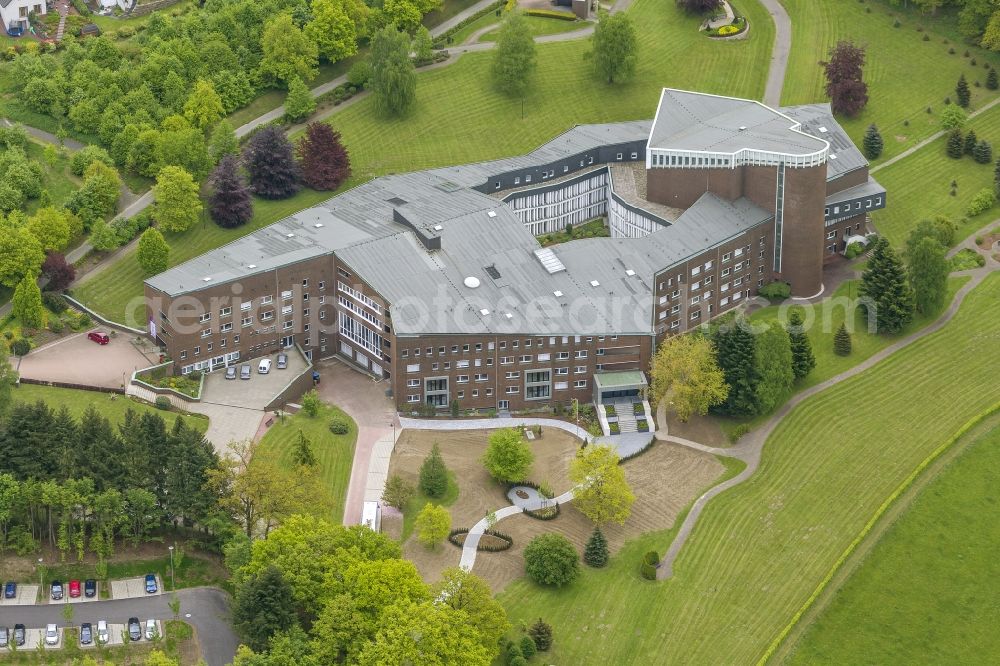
(77, 360)
(26, 596)
(254, 393)
(132, 588)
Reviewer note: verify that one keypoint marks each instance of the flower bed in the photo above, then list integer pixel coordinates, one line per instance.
(613, 428)
(491, 541)
(738, 26)
(548, 513)
(642, 424)
(185, 384)
(609, 410)
(638, 409)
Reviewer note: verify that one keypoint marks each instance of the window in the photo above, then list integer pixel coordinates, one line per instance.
(461, 364)
(413, 367)
(209, 347)
(440, 350)
(225, 328)
(506, 360)
(527, 358)
(724, 301)
(635, 156)
(675, 324)
(619, 156)
(562, 371)
(225, 312)
(461, 394)
(831, 234)
(285, 295)
(582, 353)
(246, 321)
(245, 306)
(580, 383)
(236, 339)
(516, 374)
(305, 283)
(413, 398)
(462, 379)
(454, 349)
(738, 252)
(580, 370)
(475, 393)
(286, 309)
(197, 350)
(305, 297)
(305, 312)
(562, 356)
(696, 286)
(510, 390)
(264, 300)
(517, 180)
(184, 354)
(695, 271)
(726, 257)
(482, 377)
(465, 348)
(321, 285)
(543, 358)
(708, 280)
(708, 266)
(287, 326)
(696, 315)
(725, 272)
(695, 300)
(205, 317)
(207, 332)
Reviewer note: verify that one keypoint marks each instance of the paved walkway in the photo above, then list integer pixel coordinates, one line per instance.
(779, 52)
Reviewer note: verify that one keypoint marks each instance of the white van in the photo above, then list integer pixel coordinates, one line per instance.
(265, 366)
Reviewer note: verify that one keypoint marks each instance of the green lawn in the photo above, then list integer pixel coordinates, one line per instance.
(334, 453)
(539, 25)
(905, 74)
(448, 9)
(927, 592)
(57, 178)
(77, 401)
(463, 33)
(418, 501)
(919, 186)
(759, 550)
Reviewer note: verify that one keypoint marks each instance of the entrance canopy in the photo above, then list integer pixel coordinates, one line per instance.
(609, 386)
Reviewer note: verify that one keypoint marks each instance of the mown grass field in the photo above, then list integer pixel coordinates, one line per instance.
(919, 186)
(539, 25)
(760, 549)
(334, 453)
(905, 74)
(927, 591)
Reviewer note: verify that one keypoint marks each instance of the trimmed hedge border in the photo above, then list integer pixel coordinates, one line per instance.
(652, 440)
(506, 538)
(538, 515)
(551, 13)
(442, 39)
(900, 489)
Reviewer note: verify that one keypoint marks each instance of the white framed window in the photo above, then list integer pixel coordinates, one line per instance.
(580, 370)
(205, 317)
(580, 383)
(246, 321)
(264, 300)
(695, 271)
(482, 377)
(413, 398)
(207, 332)
(581, 353)
(413, 367)
(245, 306)
(225, 328)
(287, 294)
(225, 312)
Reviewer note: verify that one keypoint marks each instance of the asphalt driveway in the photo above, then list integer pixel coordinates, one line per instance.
(77, 360)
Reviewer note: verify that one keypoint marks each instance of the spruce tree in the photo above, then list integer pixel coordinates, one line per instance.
(842, 341)
(962, 93)
(992, 81)
(803, 360)
(885, 288)
(996, 177)
(969, 145)
(956, 145)
(434, 474)
(872, 142)
(229, 204)
(734, 350)
(983, 152)
(302, 454)
(541, 633)
(595, 553)
(274, 174)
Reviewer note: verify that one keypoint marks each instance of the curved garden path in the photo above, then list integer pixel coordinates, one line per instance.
(750, 446)
(779, 52)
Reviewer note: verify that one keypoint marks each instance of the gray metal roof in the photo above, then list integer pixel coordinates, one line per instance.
(869, 188)
(818, 120)
(700, 121)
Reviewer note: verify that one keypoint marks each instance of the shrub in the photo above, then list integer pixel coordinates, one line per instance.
(517, 660)
(56, 325)
(20, 347)
(551, 13)
(339, 426)
(550, 559)
(54, 302)
(648, 571)
(854, 250)
(162, 402)
(651, 557)
(311, 403)
(541, 633)
(982, 202)
(776, 290)
(528, 648)
(738, 431)
(85, 320)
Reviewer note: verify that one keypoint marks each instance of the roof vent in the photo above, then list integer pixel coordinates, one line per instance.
(557, 293)
(595, 283)
(743, 128)
(492, 272)
(629, 272)
(471, 282)
(438, 227)
(484, 312)
(822, 129)
(318, 225)
(206, 279)
(289, 235)
(492, 213)
(252, 266)
(508, 315)
(832, 156)
(549, 260)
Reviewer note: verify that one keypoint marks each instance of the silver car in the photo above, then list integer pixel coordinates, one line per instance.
(245, 371)
(231, 372)
(282, 361)
(51, 634)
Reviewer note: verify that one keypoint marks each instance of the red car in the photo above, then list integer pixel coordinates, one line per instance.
(99, 338)
(74, 588)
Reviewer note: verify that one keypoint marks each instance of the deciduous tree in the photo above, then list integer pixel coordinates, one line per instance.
(222, 141)
(953, 118)
(508, 457)
(432, 525)
(844, 82)
(59, 272)
(600, 490)
(928, 270)
(699, 6)
(393, 82)
(20, 254)
(424, 633)
(772, 366)
(686, 375)
(514, 56)
(885, 288)
(323, 158)
(614, 47)
(203, 107)
(550, 559)
(230, 204)
(464, 591)
(273, 171)
(153, 252)
(332, 30)
(287, 51)
(54, 228)
(177, 206)
(299, 103)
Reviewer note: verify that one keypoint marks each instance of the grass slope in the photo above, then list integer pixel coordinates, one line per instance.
(759, 550)
(927, 592)
(539, 25)
(334, 453)
(905, 74)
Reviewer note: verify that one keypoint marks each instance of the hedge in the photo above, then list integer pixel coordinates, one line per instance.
(900, 489)
(648, 571)
(506, 538)
(446, 35)
(638, 453)
(551, 13)
(543, 514)
(651, 558)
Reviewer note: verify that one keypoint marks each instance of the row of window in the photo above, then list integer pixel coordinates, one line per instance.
(359, 297)
(515, 344)
(531, 392)
(844, 209)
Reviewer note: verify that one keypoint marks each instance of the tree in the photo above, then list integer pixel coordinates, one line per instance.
(872, 142)
(27, 302)
(299, 103)
(20, 254)
(394, 81)
(423, 46)
(803, 360)
(928, 270)
(541, 633)
(508, 457)
(842, 341)
(962, 93)
(601, 492)
(550, 559)
(302, 454)
(423, 633)
(222, 141)
(734, 352)
(514, 56)
(433, 524)
(311, 403)
(954, 146)
(983, 152)
(844, 78)
(772, 366)
(203, 107)
(59, 272)
(992, 81)
(85, 156)
(699, 6)
(434, 474)
(103, 236)
(271, 165)
(99, 195)
(595, 553)
(885, 289)
(54, 228)
(263, 606)
(953, 118)
(685, 374)
(153, 252)
(614, 47)
(332, 30)
(324, 160)
(466, 592)
(229, 204)
(287, 52)
(397, 492)
(969, 143)
(177, 205)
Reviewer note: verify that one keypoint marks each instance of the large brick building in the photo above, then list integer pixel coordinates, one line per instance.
(435, 279)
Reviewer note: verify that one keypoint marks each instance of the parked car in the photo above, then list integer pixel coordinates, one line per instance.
(231, 372)
(151, 630)
(90, 588)
(4, 637)
(282, 361)
(265, 366)
(99, 338)
(134, 629)
(9, 590)
(245, 371)
(51, 634)
(19, 635)
(57, 590)
(102, 632)
(86, 634)
(74, 589)
(151, 584)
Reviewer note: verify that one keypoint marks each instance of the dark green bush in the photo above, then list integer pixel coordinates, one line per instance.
(20, 347)
(648, 571)
(54, 302)
(528, 647)
(652, 557)
(339, 426)
(776, 290)
(162, 402)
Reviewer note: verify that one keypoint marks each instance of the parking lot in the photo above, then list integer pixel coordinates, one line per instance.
(35, 637)
(26, 595)
(78, 360)
(131, 588)
(259, 390)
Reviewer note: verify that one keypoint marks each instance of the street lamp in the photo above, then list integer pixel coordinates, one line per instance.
(171, 549)
(39, 573)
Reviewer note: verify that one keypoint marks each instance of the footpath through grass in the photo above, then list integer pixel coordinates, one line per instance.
(334, 453)
(927, 592)
(904, 73)
(759, 550)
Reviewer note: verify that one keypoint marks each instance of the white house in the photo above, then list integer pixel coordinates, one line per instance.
(15, 12)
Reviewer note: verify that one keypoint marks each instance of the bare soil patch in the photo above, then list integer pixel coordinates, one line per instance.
(665, 480)
(702, 429)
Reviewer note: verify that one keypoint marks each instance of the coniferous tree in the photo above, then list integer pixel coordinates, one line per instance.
(230, 204)
(996, 177)
(956, 145)
(595, 553)
(434, 474)
(842, 341)
(872, 142)
(773, 374)
(992, 81)
(541, 633)
(983, 152)
(323, 158)
(969, 145)
(803, 360)
(302, 454)
(886, 290)
(263, 607)
(962, 93)
(269, 158)
(734, 349)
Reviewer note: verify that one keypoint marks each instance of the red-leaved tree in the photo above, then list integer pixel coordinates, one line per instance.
(324, 160)
(844, 83)
(230, 204)
(270, 161)
(59, 272)
(699, 6)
